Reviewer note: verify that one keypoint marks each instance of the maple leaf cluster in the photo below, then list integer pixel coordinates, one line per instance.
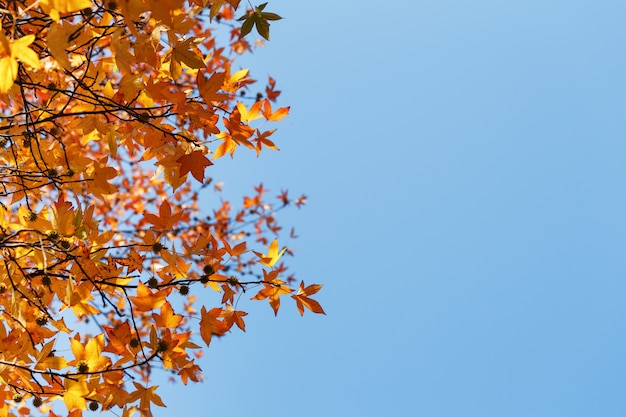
(111, 116)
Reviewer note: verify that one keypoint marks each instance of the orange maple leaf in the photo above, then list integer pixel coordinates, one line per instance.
(147, 300)
(228, 146)
(118, 338)
(236, 80)
(185, 51)
(210, 325)
(63, 217)
(165, 220)
(229, 294)
(273, 116)
(194, 162)
(208, 88)
(101, 174)
(238, 134)
(239, 131)
(133, 262)
(232, 316)
(274, 288)
(167, 318)
(262, 140)
(303, 300)
(146, 396)
(236, 250)
(270, 90)
(190, 371)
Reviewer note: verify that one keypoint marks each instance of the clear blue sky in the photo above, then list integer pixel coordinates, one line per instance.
(465, 167)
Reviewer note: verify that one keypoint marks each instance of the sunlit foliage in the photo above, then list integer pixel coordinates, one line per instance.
(112, 115)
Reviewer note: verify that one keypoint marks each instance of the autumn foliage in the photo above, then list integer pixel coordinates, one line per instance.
(111, 116)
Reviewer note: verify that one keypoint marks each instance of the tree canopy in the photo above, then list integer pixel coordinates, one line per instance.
(111, 116)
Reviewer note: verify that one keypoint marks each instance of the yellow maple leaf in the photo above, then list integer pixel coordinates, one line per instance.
(234, 82)
(273, 254)
(10, 52)
(89, 354)
(47, 360)
(74, 394)
(54, 8)
(249, 115)
(227, 146)
(78, 297)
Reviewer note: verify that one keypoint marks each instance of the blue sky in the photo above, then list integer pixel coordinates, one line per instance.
(465, 166)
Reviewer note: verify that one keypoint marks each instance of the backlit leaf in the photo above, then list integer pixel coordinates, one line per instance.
(303, 300)
(112, 228)
(146, 300)
(209, 87)
(194, 162)
(210, 325)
